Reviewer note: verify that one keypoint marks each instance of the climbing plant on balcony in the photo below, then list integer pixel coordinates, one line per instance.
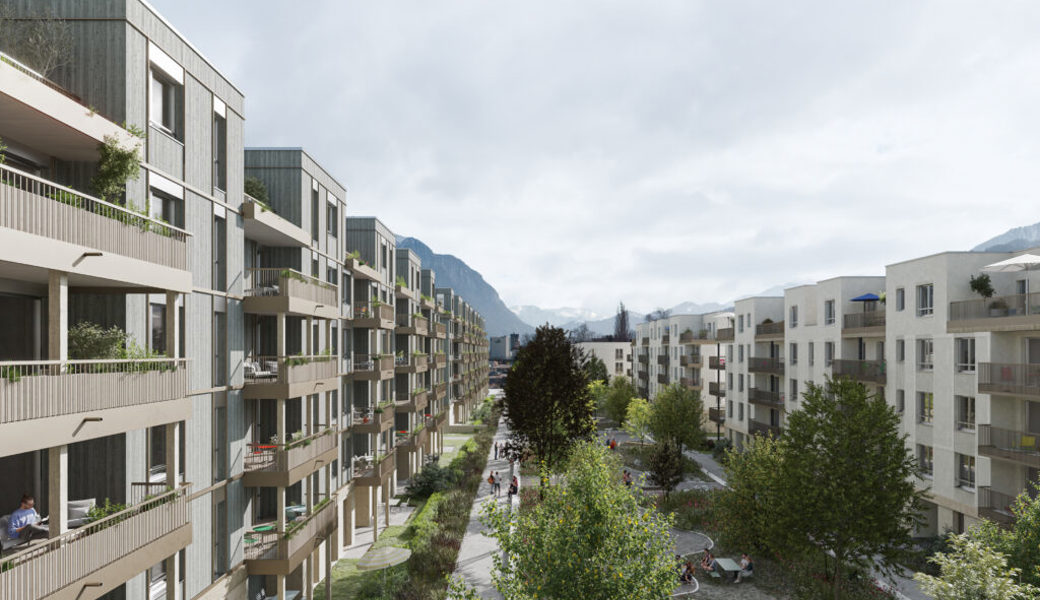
(118, 163)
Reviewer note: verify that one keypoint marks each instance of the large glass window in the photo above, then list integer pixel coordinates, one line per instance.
(925, 407)
(925, 354)
(966, 355)
(219, 253)
(166, 100)
(828, 312)
(157, 325)
(966, 471)
(219, 152)
(926, 459)
(925, 299)
(965, 413)
(220, 349)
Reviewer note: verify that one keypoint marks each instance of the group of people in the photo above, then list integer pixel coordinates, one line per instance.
(710, 564)
(612, 443)
(496, 485)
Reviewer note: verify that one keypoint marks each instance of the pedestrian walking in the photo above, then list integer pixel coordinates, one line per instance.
(514, 487)
(496, 450)
(498, 484)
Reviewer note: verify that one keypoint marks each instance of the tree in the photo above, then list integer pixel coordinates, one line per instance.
(547, 401)
(1021, 542)
(596, 369)
(637, 419)
(666, 465)
(43, 42)
(622, 333)
(846, 479)
(581, 333)
(618, 396)
(974, 571)
(657, 315)
(588, 538)
(257, 189)
(677, 414)
(748, 509)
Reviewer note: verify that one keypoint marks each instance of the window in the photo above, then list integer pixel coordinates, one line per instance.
(925, 353)
(220, 539)
(220, 346)
(965, 355)
(740, 353)
(966, 471)
(926, 459)
(740, 323)
(740, 411)
(729, 409)
(925, 298)
(965, 413)
(900, 298)
(729, 381)
(618, 354)
(812, 353)
(794, 390)
(219, 253)
(900, 350)
(166, 101)
(158, 327)
(828, 312)
(332, 219)
(315, 206)
(828, 353)
(900, 401)
(794, 353)
(332, 275)
(925, 407)
(220, 441)
(165, 207)
(740, 382)
(793, 320)
(219, 152)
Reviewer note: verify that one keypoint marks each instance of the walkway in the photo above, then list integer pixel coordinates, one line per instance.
(475, 562)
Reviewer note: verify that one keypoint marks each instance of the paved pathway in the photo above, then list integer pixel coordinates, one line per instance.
(475, 564)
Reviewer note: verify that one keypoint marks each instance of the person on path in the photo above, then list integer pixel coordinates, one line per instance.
(496, 450)
(498, 484)
(747, 567)
(514, 487)
(627, 478)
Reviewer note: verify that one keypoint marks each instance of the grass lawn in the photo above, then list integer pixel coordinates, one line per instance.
(637, 457)
(455, 440)
(346, 578)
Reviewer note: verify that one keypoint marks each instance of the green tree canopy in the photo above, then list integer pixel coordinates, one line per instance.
(676, 415)
(637, 419)
(747, 510)
(618, 396)
(547, 403)
(596, 369)
(846, 479)
(588, 538)
(1021, 542)
(666, 465)
(974, 571)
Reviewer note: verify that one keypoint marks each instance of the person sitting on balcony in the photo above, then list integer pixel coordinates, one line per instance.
(25, 523)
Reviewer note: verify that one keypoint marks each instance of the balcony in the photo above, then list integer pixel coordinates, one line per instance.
(863, 324)
(270, 291)
(1009, 378)
(770, 331)
(643, 359)
(50, 403)
(412, 325)
(716, 389)
(439, 359)
(51, 227)
(690, 383)
(1019, 312)
(717, 362)
(270, 229)
(414, 363)
(871, 371)
(414, 401)
(766, 398)
(374, 315)
(375, 420)
(724, 334)
(412, 440)
(662, 359)
(92, 560)
(690, 360)
(717, 415)
(757, 428)
(773, 366)
(440, 331)
(281, 465)
(290, 376)
(370, 472)
(440, 391)
(996, 506)
(373, 367)
(645, 342)
(666, 339)
(662, 378)
(360, 268)
(278, 553)
(1007, 444)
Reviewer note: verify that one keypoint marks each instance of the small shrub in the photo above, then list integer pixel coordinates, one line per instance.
(88, 341)
(433, 478)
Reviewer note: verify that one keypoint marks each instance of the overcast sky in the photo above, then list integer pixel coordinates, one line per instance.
(581, 152)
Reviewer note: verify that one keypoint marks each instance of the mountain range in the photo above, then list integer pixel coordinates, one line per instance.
(1012, 240)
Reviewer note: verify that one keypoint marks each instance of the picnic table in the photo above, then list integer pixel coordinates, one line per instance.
(728, 565)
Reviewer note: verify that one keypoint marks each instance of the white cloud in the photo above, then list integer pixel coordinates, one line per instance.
(583, 152)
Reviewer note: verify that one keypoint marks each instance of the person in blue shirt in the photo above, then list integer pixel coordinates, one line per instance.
(24, 523)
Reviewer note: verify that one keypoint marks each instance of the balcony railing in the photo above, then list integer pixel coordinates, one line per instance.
(270, 282)
(374, 310)
(758, 364)
(770, 328)
(860, 370)
(276, 545)
(291, 369)
(34, 205)
(41, 389)
(766, 398)
(996, 506)
(666, 339)
(757, 428)
(724, 334)
(717, 389)
(690, 360)
(644, 341)
(286, 457)
(370, 470)
(662, 359)
(1009, 378)
(717, 415)
(717, 362)
(61, 562)
(662, 378)
(690, 382)
(1018, 446)
(862, 320)
(997, 307)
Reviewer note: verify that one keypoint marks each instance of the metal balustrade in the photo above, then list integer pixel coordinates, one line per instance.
(267, 282)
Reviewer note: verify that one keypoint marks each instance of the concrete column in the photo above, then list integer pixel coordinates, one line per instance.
(328, 565)
(374, 506)
(305, 577)
(58, 489)
(309, 348)
(348, 519)
(57, 315)
(362, 507)
(280, 494)
(173, 576)
(280, 587)
(280, 320)
(173, 455)
(172, 325)
(328, 335)
(386, 499)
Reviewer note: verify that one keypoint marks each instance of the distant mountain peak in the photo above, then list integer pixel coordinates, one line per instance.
(1012, 240)
(454, 273)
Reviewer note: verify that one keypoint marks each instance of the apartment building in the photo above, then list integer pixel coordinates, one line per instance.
(254, 423)
(617, 356)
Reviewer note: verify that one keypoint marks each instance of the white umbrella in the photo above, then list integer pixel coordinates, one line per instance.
(383, 558)
(1022, 262)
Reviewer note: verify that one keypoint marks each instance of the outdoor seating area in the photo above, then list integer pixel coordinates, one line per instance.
(77, 516)
(255, 369)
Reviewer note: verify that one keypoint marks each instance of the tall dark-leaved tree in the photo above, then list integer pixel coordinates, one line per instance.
(622, 333)
(846, 480)
(547, 402)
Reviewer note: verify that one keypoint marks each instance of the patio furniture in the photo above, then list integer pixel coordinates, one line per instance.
(78, 511)
(254, 370)
(7, 542)
(729, 566)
